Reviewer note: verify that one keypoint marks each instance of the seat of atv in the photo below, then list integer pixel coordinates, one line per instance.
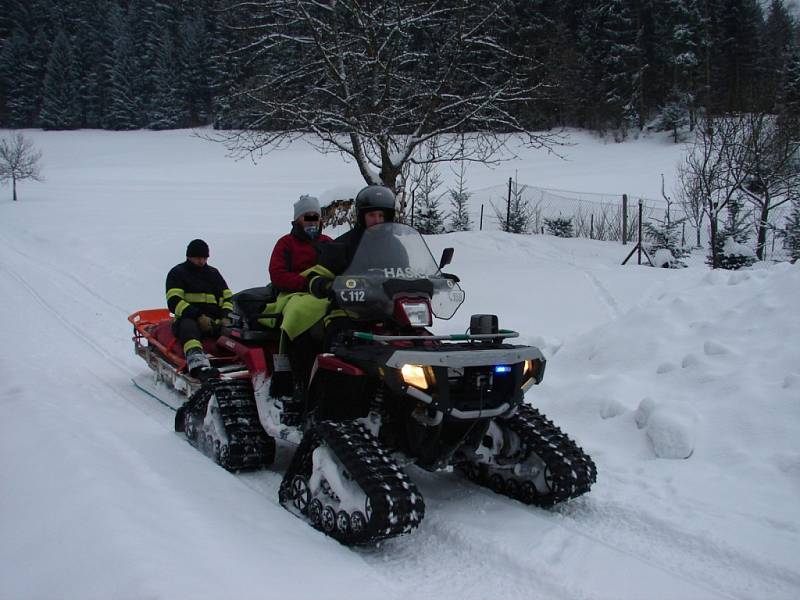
(255, 333)
(250, 305)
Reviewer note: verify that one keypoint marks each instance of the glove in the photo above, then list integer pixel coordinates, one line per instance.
(320, 287)
(206, 324)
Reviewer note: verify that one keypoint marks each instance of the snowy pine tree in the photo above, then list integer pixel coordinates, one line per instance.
(91, 48)
(165, 104)
(665, 234)
(459, 202)
(20, 80)
(425, 183)
(193, 63)
(792, 241)
(732, 251)
(126, 108)
(559, 226)
(674, 115)
(612, 64)
(60, 105)
(516, 214)
(428, 217)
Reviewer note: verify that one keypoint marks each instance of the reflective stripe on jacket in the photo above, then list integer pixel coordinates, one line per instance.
(193, 291)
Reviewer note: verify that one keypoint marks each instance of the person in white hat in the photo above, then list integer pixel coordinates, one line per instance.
(297, 250)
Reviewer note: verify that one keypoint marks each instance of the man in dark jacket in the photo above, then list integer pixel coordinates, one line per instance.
(297, 250)
(199, 298)
(374, 204)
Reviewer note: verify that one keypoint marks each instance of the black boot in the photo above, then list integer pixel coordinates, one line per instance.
(294, 408)
(199, 366)
(205, 373)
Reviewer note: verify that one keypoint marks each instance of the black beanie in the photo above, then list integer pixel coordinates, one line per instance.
(197, 248)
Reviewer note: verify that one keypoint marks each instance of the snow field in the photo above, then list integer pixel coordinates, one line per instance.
(683, 385)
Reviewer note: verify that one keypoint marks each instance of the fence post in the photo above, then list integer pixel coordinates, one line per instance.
(508, 207)
(640, 231)
(480, 227)
(624, 218)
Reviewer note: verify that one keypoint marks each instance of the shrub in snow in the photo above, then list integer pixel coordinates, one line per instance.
(559, 227)
(666, 235)
(663, 258)
(732, 253)
(674, 115)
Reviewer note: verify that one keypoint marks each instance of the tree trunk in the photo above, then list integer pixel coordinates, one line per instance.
(389, 172)
(14, 187)
(697, 231)
(713, 227)
(761, 244)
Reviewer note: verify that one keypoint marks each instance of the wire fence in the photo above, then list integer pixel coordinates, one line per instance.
(596, 216)
(603, 216)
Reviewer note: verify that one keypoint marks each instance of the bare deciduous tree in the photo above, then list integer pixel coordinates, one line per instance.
(770, 160)
(690, 197)
(375, 80)
(712, 172)
(19, 160)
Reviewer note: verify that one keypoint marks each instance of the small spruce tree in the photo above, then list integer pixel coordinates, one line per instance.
(427, 212)
(665, 234)
(516, 215)
(732, 251)
(459, 202)
(559, 227)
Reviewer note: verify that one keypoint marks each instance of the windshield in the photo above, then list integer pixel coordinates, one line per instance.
(396, 251)
(393, 251)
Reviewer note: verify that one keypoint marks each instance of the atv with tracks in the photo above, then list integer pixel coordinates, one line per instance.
(387, 394)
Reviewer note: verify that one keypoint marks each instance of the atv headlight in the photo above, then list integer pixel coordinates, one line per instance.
(532, 372)
(414, 375)
(528, 368)
(417, 313)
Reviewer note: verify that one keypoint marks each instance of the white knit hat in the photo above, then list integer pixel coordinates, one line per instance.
(304, 205)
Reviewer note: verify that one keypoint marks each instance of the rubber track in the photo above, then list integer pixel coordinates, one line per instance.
(397, 506)
(571, 471)
(248, 445)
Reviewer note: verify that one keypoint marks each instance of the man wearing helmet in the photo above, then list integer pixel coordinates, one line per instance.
(374, 204)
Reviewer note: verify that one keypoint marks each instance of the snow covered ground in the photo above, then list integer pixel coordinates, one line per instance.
(684, 386)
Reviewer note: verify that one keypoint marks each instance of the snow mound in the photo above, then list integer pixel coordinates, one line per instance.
(671, 430)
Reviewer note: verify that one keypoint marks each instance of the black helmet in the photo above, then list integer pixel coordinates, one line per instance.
(375, 197)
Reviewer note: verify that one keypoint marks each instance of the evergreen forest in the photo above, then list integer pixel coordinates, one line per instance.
(615, 66)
